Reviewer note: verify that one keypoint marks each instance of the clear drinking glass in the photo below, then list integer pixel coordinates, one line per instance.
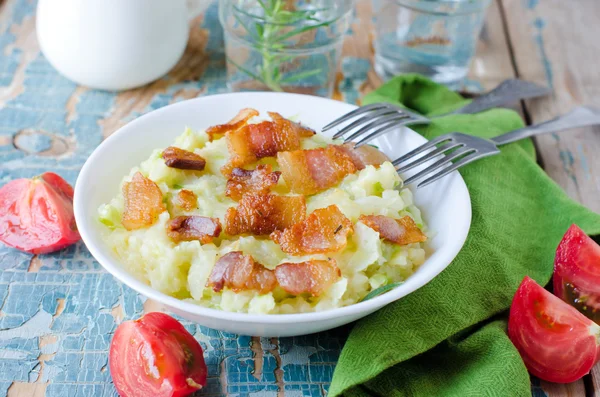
(284, 45)
(435, 38)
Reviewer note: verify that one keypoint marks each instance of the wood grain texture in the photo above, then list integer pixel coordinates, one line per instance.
(554, 44)
(575, 389)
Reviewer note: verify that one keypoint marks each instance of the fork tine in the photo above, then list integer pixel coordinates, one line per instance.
(464, 161)
(438, 164)
(408, 119)
(383, 120)
(352, 114)
(422, 148)
(429, 156)
(369, 117)
(391, 123)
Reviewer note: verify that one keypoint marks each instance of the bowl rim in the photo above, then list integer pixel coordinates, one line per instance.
(112, 267)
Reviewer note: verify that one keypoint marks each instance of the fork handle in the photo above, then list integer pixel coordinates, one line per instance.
(508, 92)
(579, 117)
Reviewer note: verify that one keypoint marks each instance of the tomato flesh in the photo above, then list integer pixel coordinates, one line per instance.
(36, 215)
(577, 272)
(556, 342)
(156, 356)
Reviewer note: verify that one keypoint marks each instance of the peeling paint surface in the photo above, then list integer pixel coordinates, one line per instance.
(58, 312)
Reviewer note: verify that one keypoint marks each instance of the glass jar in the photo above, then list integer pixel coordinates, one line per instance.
(284, 45)
(436, 38)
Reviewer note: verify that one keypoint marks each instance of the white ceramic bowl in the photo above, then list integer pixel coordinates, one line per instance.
(445, 204)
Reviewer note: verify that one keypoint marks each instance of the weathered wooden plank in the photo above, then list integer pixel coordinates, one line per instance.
(553, 44)
(575, 389)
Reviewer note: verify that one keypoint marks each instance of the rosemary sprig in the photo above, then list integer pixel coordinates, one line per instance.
(269, 32)
(381, 290)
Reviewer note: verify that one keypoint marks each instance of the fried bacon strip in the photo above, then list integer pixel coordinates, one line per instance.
(314, 170)
(143, 202)
(186, 199)
(324, 230)
(363, 155)
(262, 214)
(401, 231)
(256, 141)
(240, 120)
(312, 277)
(257, 181)
(190, 228)
(290, 126)
(182, 159)
(240, 272)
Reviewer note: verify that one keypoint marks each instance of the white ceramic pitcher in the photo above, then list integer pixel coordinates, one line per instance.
(112, 44)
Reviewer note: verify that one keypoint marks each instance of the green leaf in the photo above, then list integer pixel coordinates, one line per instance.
(381, 290)
(264, 6)
(300, 76)
(249, 73)
(375, 146)
(260, 29)
(177, 186)
(250, 31)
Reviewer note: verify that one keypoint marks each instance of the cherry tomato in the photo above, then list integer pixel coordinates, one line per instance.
(155, 356)
(577, 272)
(36, 215)
(556, 342)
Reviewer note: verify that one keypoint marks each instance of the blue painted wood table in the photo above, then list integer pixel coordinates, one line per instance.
(58, 312)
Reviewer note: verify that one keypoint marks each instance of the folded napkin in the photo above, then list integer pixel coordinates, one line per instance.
(449, 337)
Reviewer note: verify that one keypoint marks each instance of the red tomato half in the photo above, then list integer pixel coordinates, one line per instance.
(577, 272)
(155, 356)
(556, 342)
(36, 215)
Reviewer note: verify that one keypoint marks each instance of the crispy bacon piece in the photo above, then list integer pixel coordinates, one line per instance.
(262, 214)
(363, 155)
(240, 272)
(182, 159)
(240, 120)
(257, 181)
(302, 131)
(256, 141)
(401, 231)
(312, 277)
(190, 228)
(324, 230)
(186, 199)
(143, 202)
(314, 170)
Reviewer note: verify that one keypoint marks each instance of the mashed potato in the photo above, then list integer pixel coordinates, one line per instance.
(182, 269)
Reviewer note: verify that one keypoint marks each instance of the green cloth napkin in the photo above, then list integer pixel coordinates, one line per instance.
(449, 337)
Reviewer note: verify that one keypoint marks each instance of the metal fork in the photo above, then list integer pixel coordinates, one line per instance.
(454, 150)
(384, 116)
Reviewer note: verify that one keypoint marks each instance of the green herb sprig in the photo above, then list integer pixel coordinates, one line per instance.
(269, 34)
(381, 290)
